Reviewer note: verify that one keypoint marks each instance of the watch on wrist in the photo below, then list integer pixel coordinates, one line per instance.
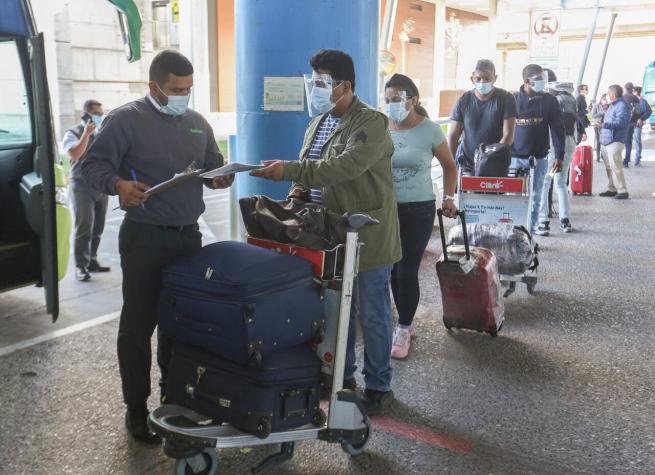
(447, 198)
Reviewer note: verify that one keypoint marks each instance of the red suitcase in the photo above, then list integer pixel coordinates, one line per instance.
(471, 292)
(582, 170)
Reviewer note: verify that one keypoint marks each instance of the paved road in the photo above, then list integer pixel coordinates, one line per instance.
(566, 388)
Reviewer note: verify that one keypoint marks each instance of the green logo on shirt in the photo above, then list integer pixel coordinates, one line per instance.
(196, 131)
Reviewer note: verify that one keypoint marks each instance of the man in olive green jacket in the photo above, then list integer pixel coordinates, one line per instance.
(345, 163)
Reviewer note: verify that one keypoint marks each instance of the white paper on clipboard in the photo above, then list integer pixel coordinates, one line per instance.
(229, 169)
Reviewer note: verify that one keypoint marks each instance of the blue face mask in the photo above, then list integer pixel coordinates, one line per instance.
(539, 85)
(321, 101)
(397, 111)
(177, 105)
(484, 87)
(97, 120)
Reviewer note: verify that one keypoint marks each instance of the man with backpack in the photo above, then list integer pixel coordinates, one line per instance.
(540, 120)
(635, 114)
(568, 107)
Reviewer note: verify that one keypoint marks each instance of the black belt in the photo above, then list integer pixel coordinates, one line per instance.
(184, 227)
(180, 228)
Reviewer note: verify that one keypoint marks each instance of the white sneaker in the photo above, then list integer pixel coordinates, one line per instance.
(402, 340)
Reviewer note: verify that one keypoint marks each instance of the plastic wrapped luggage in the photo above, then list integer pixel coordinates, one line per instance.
(241, 301)
(582, 170)
(281, 394)
(512, 245)
(471, 292)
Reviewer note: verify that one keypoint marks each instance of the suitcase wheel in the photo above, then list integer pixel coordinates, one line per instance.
(493, 333)
(264, 427)
(319, 418)
(204, 462)
(448, 327)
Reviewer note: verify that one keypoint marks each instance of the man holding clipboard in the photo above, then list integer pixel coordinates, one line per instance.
(145, 143)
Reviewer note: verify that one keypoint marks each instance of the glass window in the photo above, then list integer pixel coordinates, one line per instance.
(15, 124)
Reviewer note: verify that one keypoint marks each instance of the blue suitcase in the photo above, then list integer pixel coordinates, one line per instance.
(241, 301)
(281, 394)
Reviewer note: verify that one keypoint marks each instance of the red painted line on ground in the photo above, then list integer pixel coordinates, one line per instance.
(426, 436)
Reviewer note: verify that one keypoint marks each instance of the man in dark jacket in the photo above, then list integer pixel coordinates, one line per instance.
(633, 105)
(583, 109)
(646, 112)
(539, 120)
(613, 136)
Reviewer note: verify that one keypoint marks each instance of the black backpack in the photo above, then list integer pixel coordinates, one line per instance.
(492, 159)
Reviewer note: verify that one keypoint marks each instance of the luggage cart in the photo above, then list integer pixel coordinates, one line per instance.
(490, 200)
(192, 438)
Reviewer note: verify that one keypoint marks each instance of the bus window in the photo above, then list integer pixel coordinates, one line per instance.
(15, 124)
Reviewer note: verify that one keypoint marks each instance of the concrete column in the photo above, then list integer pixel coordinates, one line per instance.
(491, 43)
(439, 62)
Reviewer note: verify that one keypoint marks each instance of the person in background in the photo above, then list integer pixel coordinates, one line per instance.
(635, 113)
(90, 206)
(646, 112)
(345, 162)
(583, 109)
(540, 120)
(613, 136)
(486, 114)
(144, 143)
(569, 109)
(597, 113)
(416, 140)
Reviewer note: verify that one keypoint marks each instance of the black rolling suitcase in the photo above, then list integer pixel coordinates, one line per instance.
(283, 393)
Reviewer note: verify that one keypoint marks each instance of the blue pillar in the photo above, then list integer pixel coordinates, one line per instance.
(277, 38)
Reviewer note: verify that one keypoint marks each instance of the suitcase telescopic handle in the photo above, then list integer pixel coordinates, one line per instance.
(465, 235)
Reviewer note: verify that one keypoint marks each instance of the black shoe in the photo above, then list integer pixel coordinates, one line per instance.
(137, 425)
(82, 274)
(543, 229)
(565, 226)
(350, 384)
(376, 402)
(622, 196)
(608, 193)
(626, 165)
(637, 164)
(94, 266)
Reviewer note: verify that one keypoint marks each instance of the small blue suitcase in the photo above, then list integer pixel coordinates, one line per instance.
(241, 302)
(283, 393)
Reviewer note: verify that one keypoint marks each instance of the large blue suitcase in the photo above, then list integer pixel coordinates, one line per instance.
(281, 394)
(241, 301)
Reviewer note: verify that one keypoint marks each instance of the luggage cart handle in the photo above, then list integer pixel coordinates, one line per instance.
(442, 231)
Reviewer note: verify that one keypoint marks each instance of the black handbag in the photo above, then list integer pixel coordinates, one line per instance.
(492, 159)
(292, 221)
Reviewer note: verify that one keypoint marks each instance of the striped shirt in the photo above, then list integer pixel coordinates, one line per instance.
(324, 130)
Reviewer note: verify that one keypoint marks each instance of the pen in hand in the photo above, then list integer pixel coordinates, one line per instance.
(133, 173)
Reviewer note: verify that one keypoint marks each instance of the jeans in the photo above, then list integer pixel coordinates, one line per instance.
(416, 223)
(144, 251)
(372, 304)
(541, 167)
(611, 154)
(90, 211)
(561, 186)
(628, 144)
(636, 143)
